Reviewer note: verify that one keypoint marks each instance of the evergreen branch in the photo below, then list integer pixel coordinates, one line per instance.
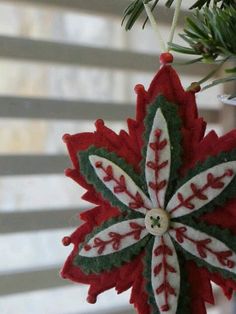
(187, 62)
(220, 81)
(222, 3)
(133, 12)
(210, 33)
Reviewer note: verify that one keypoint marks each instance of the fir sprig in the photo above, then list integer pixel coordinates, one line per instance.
(221, 3)
(211, 34)
(136, 8)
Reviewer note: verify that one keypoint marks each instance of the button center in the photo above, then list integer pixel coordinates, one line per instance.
(157, 221)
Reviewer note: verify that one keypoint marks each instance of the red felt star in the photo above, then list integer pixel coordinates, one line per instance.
(165, 206)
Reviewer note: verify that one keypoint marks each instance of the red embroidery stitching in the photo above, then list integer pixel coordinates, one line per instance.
(165, 286)
(115, 239)
(202, 247)
(155, 166)
(121, 186)
(212, 182)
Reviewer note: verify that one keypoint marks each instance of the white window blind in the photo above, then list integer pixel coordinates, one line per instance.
(63, 64)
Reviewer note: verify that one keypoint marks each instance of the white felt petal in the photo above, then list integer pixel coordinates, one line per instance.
(165, 275)
(120, 184)
(115, 238)
(205, 247)
(201, 189)
(158, 160)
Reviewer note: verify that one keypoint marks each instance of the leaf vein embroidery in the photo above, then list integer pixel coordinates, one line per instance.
(115, 239)
(155, 166)
(198, 193)
(203, 247)
(165, 287)
(121, 187)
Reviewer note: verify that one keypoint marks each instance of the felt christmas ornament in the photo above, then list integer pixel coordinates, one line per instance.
(164, 195)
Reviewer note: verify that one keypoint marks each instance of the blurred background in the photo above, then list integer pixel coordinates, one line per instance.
(62, 65)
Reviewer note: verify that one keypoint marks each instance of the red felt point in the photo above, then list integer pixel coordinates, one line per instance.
(139, 88)
(99, 123)
(166, 58)
(67, 172)
(66, 137)
(91, 299)
(194, 87)
(66, 241)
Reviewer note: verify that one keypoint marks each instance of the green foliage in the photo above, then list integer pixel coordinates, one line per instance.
(135, 9)
(211, 34)
(221, 3)
(133, 12)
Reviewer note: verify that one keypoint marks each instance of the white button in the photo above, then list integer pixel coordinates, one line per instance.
(157, 221)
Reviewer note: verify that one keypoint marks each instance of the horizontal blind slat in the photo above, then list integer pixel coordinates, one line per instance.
(33, 164)
(48, 108)
(32, 280)
(41, 279)
(42, 108)
(101, 7)
(36, 220)
(60, 53)
(35, 279)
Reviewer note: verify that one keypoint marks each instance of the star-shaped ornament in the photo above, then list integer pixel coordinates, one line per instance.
(164, 220)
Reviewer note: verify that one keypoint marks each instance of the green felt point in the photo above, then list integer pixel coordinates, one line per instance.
(170, 112)
(87, 170)
(223, 197)
(107, 262)
(184, 298)
(222, 235)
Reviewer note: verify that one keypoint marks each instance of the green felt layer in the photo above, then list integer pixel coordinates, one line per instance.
(170, 112)
(184, 299)
(226, 194)
(147, 274)
(222, 235)
(88, 171)
(107, 262)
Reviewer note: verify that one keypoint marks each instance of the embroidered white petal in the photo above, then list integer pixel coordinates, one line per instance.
(115, 238)
(165, 275)
(201, 189)
(120, 184)
(158, 160)
(204, 246)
